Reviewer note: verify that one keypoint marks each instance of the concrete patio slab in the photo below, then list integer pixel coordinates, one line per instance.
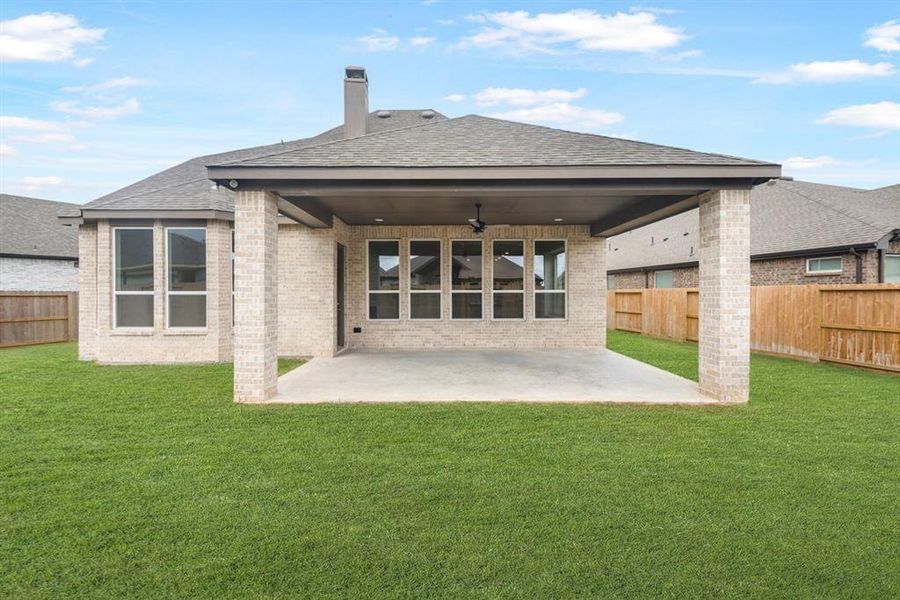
(576, 375)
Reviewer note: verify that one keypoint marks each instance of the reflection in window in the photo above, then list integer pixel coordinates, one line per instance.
(425, 279)
(550, 279)
(383, 265)
(508, 272)
(133, 285)
(186, 276)
(663, 279)
(466, 277)
(892, 268)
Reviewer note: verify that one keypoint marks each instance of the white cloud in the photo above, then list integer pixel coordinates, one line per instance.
(379, 41)
(828, 72)
(46, 138)
(45, 37)
(129, 107)
(520, 97)
(420, 41)
(110, 84)
(585, 29)
(800, 163)
(33, 184)
(83, 62)
(563, 113)
(885, 37)
(455, 97)
(881, 115)
(8, 151)
(445, 21)
(28, 124)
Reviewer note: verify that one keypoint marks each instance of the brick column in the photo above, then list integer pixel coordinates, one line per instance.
(725, 295)
(256, 296)
(87, 291)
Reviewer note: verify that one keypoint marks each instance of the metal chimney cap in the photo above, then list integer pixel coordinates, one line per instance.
(351, 72)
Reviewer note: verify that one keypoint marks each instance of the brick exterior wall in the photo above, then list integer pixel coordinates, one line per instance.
(37, 275)
(725, 295)
(87, 297)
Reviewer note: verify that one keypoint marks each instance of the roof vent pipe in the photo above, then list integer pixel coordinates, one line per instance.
(356, 102)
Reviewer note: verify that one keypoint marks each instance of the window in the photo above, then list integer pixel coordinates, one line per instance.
(549, 279)
(186, 276)
(662, 279)
(508, 271)
(384, 279)
(133, 286)
(892, 268)
(823, 266)
(610, 282)
(424, 279)
(465, 273)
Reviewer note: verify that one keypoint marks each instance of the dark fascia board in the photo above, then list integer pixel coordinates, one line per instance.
(39, 256)
(223, 174)
(683, 265)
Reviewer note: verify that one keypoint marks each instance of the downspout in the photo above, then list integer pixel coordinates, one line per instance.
(858, 256)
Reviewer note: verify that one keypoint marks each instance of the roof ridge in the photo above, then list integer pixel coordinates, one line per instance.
(331, 142)
(791, 187)
(610, 137)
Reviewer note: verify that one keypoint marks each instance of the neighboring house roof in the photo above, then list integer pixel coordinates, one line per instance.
(476, 141)
(187, 187)
(786, 217)
(31, 227)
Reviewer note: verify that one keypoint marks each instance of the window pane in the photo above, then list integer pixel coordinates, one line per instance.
(892, 268)
(187, 310)
(663, 279)
(384, 306)
(509, 265)
(509, 306)
(187, 260)
(425, 306)
(134, 260)
(384, 265)
(134, 310)
(465, 268)
(425, 265)
(550, 265)
(824, 264)
(466, 306)
(610, 282)
(550, 305)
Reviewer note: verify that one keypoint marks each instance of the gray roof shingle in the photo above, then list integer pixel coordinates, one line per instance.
(476, 141)
(31, 227)
(786, 216)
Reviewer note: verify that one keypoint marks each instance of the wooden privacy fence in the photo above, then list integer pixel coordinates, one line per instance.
(38, 318)
(848, 324)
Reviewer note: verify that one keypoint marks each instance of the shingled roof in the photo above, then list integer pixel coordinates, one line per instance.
(30, 227)
(476, 141)
(786, 217)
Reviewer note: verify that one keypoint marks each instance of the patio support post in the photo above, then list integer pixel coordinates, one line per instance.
(255, 296)
(725, 295)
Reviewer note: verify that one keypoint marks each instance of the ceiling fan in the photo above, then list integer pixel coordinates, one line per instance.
(478, 226)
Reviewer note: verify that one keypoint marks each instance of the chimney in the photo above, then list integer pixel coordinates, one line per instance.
(356, 102)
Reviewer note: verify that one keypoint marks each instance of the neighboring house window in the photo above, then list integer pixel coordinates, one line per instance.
(465, 278)
(133, 286)
(424, 279)
(662, 279)
(186, 276)
(892, 268)
(610, 282)
(549, 279)
(384, 279)
(508, 272)
(823, 266)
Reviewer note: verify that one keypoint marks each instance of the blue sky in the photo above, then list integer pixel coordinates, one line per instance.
(96, 95)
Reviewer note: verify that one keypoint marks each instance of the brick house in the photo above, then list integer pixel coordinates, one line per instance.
(801, 233)
(402, 229)
(37, 252)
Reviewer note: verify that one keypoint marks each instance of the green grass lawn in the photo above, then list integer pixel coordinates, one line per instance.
(149, 482)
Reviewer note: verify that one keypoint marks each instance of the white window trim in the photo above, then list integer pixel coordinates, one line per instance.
(656, 273)
(168, 293)
(495, 291)
(400, 271)
(480, 290)
(564, 291)
(115, 292)
(831, 272)
(439, 291)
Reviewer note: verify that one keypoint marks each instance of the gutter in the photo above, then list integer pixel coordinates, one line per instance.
(38, 256)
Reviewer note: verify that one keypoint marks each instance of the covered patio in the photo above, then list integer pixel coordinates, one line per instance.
(567, 375)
